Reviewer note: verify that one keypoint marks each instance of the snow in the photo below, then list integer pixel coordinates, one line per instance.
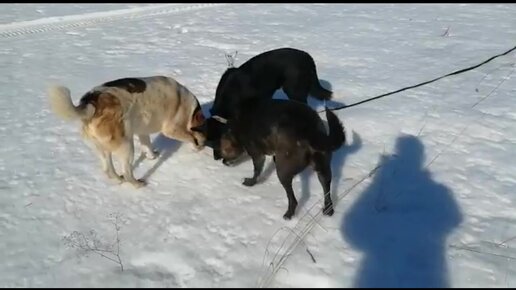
(413, 223)
(16, 13)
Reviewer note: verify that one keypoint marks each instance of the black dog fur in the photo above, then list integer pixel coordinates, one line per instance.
(293, 133)
(288, 68)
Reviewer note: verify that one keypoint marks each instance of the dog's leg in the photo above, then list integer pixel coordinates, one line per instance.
(147, 147)
(258, 162)
(288, 165)
(126, 155)
(216, 154)
(286, 181)
(109, 169)
(285, 175)
(107, 163)
(323, 169)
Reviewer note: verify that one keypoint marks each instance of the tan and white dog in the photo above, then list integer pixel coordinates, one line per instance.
(115, 111)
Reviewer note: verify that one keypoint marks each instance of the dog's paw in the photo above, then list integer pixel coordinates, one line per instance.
(228, 162)
(249, 181)
(288, 215)
(119, 179)
(152, 155)
(138, 183)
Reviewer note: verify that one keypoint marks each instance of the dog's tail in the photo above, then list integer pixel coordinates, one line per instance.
(319, 92)
(62, 105)
(336, 137)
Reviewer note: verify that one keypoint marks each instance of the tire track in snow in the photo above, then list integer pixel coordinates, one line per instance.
(91, 19)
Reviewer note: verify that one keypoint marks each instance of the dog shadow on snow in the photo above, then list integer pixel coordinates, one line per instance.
(166, 148)
(400, 223)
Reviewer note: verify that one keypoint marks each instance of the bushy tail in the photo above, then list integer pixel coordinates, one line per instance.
(62, 105)
(337, 137)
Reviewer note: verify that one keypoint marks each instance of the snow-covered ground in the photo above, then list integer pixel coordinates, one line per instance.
(13, 13)
(414, 222)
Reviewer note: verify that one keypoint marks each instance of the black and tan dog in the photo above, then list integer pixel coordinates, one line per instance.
(290, 131)
(291, 69)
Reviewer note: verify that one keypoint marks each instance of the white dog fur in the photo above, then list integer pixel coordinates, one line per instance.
(115, 111)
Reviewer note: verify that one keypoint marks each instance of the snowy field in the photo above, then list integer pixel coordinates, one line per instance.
(438, 211)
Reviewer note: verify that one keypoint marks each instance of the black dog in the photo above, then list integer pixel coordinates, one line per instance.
(291, 69)
(290, 131)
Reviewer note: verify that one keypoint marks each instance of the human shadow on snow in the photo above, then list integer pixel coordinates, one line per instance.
(401, 222)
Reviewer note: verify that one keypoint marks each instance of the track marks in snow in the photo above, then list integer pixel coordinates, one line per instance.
(92, 19)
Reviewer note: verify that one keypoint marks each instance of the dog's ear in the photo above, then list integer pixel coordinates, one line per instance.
(199, 117)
